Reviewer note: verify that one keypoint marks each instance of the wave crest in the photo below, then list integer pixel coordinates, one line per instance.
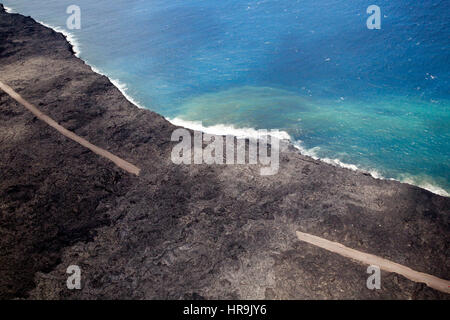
(222, 129)
(71, 38)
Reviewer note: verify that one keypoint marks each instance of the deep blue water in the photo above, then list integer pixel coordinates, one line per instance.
(377, 99)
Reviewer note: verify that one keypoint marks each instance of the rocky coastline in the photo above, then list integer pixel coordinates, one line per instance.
(180, 231)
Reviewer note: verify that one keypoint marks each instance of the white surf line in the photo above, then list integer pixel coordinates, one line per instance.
(384, 264)
(8, 9)
(69, 134)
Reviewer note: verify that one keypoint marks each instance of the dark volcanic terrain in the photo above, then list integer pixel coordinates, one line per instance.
(180, 232)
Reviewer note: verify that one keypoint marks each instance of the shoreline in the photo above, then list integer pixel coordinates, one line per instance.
(76, 47)
(225, 129)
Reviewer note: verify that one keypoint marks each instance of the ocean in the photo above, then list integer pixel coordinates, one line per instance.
(372, 100)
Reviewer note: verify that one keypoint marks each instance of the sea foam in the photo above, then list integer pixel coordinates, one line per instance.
(408, 179)
(72, 39)
(423, 183)
(222, 129)
(313, 153)
(122, 88)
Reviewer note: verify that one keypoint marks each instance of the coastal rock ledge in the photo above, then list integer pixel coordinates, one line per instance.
(180, 232)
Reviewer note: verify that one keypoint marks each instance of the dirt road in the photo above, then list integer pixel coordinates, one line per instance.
(384, 264)
(69, 134)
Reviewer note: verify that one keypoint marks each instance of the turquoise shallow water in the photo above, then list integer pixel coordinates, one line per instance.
(375, 99)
